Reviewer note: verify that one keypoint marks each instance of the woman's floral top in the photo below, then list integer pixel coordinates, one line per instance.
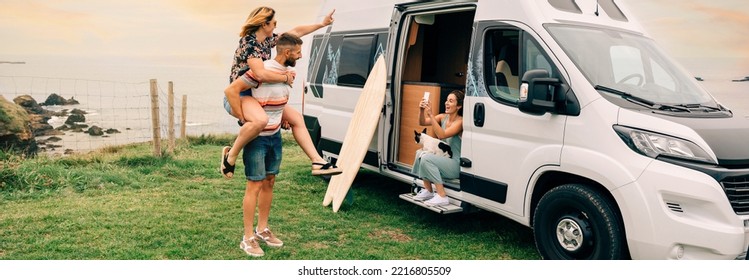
(248, 48)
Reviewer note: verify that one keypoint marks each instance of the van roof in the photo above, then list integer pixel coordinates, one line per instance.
(363, 15)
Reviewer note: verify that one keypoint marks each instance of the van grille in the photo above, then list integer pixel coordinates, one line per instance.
(737, 190)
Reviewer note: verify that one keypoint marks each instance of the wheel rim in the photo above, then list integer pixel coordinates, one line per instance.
(571, 233)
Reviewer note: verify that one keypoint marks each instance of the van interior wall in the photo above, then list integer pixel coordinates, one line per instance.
(446, 46)
(414, 53)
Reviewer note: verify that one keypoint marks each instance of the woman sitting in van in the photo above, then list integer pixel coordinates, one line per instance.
(432, 168)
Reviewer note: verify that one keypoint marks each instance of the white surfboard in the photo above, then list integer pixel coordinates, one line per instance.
(359, 134)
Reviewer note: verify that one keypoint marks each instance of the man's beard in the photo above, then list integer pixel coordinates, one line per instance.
(290, 62)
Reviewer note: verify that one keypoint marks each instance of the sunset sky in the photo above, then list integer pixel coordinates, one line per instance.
(696, 30)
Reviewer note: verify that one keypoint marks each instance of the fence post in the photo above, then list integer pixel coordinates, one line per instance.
(184, 118)
(170, 112)
(155, 118)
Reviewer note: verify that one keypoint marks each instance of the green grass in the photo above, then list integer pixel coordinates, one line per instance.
(122, 203)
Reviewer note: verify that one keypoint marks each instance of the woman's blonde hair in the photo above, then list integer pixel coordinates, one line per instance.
(256, 19)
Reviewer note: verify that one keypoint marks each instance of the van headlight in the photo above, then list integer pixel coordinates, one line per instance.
(653, 145)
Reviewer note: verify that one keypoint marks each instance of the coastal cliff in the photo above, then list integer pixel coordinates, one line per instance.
(16, 134)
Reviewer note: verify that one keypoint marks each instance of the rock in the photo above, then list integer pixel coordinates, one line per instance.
(55, 99)
(72, 101)
(38, 116)
(77, 112)
(54, 139)
(28, 103)
(62, 113)
(15, 131)
(95, 131)
(74, 118)
(40, 127)
(112, 131)
(43, 129)
(69, 152)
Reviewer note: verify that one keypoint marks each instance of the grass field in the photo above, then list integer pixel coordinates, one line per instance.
(122, 203)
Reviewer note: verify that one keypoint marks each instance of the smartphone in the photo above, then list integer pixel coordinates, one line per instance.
(426, 96)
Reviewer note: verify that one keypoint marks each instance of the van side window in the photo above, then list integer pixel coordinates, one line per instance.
(534, 57)
(501, 64)
(356, 60)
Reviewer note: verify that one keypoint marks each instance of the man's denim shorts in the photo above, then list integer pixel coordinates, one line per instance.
(227, 107)
(262, 157)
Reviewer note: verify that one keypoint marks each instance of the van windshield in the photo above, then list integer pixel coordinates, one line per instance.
(628, 63)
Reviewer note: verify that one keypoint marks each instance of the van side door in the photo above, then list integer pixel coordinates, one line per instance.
(502, 146)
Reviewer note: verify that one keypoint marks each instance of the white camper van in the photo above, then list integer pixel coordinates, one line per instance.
(576, 123)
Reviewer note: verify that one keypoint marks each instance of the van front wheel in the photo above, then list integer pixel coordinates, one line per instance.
(575, 222)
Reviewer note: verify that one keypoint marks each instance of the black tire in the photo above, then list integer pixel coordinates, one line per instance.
(575, 222)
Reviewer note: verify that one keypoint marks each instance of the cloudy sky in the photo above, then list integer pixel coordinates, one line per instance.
(691, 30)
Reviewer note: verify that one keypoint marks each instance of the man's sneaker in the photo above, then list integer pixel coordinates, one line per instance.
(423, 194)
(437, 201)
(268, 237)
(251, 247)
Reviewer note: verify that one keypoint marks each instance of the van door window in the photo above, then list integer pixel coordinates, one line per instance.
(508, 53)
(534, 58)
(501, 64)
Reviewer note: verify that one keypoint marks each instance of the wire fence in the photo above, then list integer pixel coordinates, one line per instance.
(123, 111)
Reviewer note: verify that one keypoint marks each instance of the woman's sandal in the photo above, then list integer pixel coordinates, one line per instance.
(325, 169)
(225, 168)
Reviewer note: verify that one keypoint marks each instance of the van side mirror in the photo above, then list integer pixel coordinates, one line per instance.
(537, 92)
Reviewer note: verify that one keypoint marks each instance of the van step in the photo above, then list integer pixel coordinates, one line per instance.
(450, 208)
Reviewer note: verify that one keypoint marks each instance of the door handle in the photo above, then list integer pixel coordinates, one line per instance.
(478, 114)
(464, 162)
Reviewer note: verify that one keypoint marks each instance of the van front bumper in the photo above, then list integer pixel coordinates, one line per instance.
(675, 212)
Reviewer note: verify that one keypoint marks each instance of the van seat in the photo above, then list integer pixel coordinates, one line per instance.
(504, 73)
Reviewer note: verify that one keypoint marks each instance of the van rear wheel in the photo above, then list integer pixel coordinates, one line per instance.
(576, 222)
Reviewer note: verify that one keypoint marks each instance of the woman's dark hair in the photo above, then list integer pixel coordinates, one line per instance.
(459, 96)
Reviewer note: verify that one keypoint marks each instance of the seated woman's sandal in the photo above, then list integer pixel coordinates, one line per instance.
(225, 168)
(325, 169)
